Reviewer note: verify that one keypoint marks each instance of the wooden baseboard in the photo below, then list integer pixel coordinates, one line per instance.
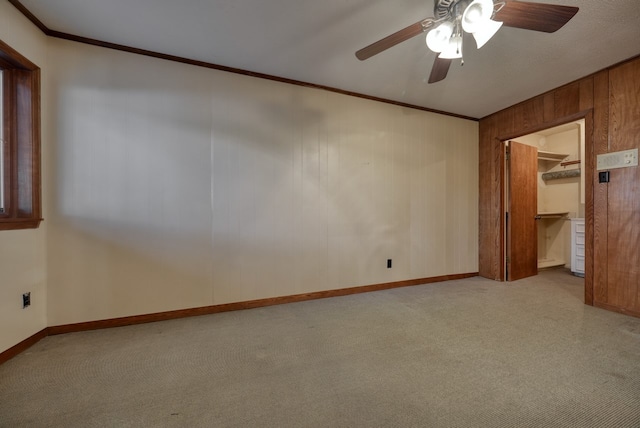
(207, 310)
(616, 309)
(22, 346)
(227, 307)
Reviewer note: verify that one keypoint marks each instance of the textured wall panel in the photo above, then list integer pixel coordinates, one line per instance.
(179, 187)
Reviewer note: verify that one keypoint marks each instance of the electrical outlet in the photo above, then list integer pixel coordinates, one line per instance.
(388, 263)
(26, 300)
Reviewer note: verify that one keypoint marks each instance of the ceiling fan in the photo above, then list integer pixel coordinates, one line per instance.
(481, 18)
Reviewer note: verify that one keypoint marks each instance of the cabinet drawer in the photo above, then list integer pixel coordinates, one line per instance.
(579, 251)
(579, 227)
(579, 238)
(579, 267)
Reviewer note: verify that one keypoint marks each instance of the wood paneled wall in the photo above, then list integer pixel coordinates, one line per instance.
(621, 225)
(609, 102)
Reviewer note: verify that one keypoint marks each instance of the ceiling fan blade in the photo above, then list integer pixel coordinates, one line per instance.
(440, 69)
(395, 38)
(535, 16)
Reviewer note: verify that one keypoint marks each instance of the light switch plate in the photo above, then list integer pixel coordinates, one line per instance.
(614, 160)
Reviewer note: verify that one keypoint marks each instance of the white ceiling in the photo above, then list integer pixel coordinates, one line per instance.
(315, 42)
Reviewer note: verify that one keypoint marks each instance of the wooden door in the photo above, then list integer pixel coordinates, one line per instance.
(522, 209)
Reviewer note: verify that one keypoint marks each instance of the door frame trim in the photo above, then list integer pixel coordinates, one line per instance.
(589, 162)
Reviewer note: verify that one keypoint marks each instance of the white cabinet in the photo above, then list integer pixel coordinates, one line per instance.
(577, 246)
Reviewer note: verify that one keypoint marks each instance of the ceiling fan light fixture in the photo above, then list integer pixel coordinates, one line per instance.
(476, 15)
(453, 49)
(452, 18)
(438, 37)
(488, 30)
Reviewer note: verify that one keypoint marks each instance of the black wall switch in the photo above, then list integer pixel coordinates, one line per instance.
(603, 177)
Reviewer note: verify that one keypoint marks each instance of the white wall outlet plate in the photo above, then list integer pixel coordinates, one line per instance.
(614, 160)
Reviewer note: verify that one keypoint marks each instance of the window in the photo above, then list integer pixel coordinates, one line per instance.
(19, 141)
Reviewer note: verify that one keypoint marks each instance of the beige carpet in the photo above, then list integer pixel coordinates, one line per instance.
(469, 353)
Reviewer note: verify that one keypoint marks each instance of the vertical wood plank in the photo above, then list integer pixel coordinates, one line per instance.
(587, 103)
(499, 159)
(549, 113)
(533, 112)
(589, 166)
(490, 233)
(597, 225)
(586, 94)
(567, 100)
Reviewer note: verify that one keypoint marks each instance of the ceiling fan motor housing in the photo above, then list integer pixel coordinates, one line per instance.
(449, 8)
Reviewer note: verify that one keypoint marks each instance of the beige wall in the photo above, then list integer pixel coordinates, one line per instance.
(168, 186)
(22, 252)
(178, 187)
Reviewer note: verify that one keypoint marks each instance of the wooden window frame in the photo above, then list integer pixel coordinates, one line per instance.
(21, 121)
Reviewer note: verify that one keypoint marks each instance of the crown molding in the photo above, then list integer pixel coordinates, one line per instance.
(86, 40)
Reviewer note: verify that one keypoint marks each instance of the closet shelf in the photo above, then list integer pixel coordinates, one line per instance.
(551, 156)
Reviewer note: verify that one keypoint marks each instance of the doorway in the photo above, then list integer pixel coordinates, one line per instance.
(544, 196)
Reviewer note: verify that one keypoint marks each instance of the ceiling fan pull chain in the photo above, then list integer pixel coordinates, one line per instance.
(461, 46)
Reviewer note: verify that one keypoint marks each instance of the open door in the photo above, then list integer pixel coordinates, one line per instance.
(522, 210)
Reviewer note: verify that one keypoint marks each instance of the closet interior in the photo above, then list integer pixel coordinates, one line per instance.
(561, 197)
